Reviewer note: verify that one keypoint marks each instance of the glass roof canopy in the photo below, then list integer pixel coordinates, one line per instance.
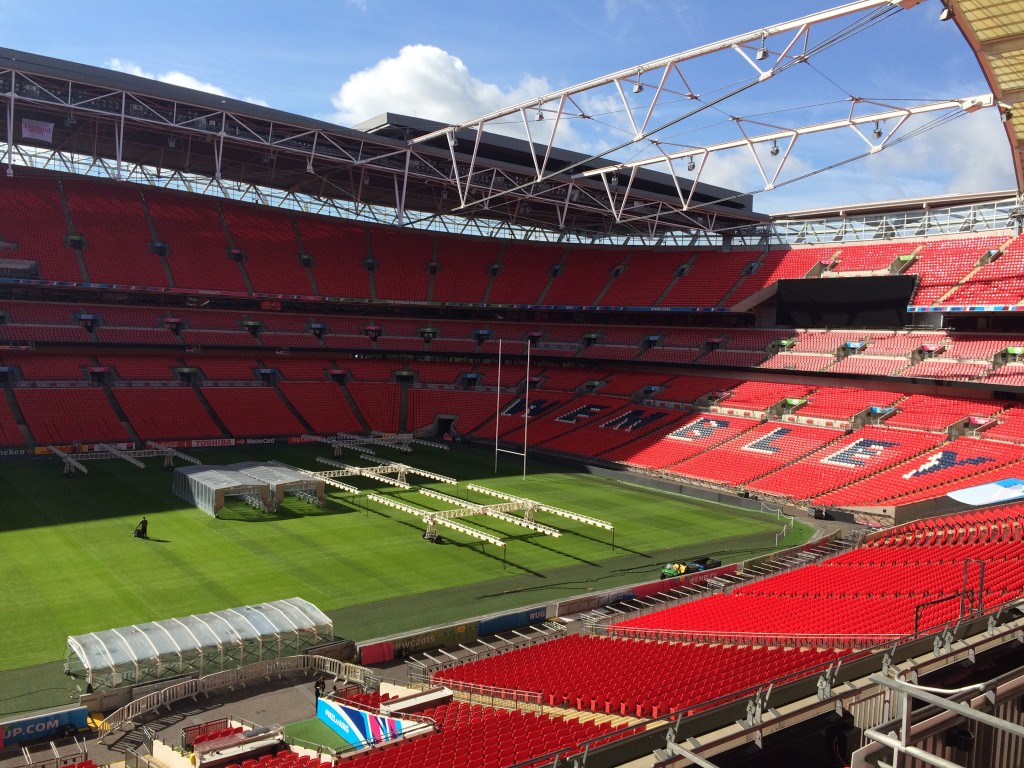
(198, 644)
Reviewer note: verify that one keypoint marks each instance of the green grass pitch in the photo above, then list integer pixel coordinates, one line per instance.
(68, 564)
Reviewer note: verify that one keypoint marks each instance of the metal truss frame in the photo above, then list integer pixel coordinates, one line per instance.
(791, 44)
(923, 220)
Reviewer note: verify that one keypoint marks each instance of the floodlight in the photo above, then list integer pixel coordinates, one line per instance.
(638, 87)
(540, 115)
(947, 13)
(691, 165)
(877, 133)
(762, 53)
(775, 148)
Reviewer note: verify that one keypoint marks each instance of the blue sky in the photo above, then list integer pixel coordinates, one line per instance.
(346, 60)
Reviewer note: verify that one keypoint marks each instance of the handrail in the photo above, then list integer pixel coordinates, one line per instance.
(194, 686)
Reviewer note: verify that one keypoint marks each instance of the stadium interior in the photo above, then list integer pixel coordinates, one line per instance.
(173, 274)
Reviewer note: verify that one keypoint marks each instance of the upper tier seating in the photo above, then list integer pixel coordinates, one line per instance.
(998, 283)
(870, 365)
(644, 279)
(1009, 425)
(33, 219)
(980, 346)
(759, 339)
(525, 271)
(626, 384)
(583, 278)
(511, 375)
(267, 238)
(789, 264)
(689, 389)
(113, 222)
(670, 355)
(709, 277)
(941, 264)
(725, 357)
(339, 251)
(298, 369)
(824, 341)
(875, 257)
(46, 366)
(464, 269)
(402, 263)
(197, 245)
(224, 368)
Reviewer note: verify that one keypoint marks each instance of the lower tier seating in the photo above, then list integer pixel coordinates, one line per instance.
(601, 674)
(252, 411)
(67, 415)
(160, 413)
(481, 737)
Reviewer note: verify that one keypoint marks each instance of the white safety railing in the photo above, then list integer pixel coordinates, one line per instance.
(191, 688)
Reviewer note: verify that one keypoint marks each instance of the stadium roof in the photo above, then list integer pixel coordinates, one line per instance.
(125, 120)
(995, 30)
(403, 170)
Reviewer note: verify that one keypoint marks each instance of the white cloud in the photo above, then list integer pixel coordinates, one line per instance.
(428, 82)
(175, 77)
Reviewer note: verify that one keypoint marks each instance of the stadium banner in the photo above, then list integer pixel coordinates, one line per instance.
(494, 624)
(375, 653)
(219, 442)
(439, 637)
(359, 728)
(36, 129)
(44, 450)
(996, 492)
(44, 726)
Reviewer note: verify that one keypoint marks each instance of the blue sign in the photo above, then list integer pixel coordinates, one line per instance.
(43, 726)
(990, 493)
(358, 728)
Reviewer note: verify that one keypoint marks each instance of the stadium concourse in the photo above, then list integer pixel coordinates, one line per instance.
(863, 365)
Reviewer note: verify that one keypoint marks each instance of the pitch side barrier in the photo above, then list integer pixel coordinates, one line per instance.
(119, 722)
(453, 635)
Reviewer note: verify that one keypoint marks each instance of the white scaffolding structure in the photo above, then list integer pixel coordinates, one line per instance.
(72, 461)
(433, 519)
(530, 507)
(381, 473)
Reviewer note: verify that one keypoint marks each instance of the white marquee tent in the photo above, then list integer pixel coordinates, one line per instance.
(201, 643)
